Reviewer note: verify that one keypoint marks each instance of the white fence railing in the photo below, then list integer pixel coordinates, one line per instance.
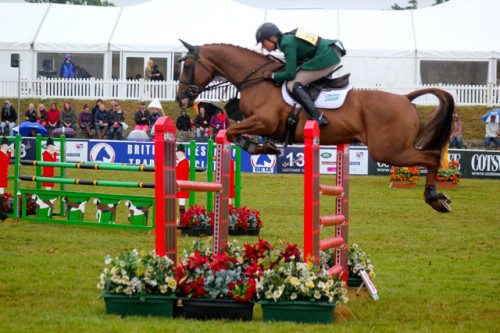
(488, 95)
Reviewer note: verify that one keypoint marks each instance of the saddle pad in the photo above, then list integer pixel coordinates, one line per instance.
(327, 99)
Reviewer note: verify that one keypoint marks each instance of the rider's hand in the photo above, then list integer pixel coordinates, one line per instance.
(268, 75)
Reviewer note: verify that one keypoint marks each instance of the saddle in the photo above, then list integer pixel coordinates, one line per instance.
(315, 88)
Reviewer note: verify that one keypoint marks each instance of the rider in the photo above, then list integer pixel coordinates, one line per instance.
(308, 58)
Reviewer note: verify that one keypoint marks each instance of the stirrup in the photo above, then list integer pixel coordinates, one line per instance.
(322, 120)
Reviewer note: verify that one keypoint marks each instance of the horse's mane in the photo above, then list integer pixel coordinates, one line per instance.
(241, 48)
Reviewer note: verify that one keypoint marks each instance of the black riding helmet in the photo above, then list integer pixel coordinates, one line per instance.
(265, 31)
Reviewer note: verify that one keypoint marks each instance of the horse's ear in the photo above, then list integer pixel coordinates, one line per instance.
(188, 46)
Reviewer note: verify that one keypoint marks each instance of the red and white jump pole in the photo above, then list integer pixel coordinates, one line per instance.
(166, 186)
(313, 222)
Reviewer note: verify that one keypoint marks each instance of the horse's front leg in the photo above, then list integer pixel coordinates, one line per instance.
(238, 134)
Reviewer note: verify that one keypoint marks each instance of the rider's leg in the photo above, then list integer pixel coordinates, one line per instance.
(302, 78)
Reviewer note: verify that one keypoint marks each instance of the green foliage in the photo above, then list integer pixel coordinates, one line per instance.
(412, 4)
(76, 2)
(435, 272)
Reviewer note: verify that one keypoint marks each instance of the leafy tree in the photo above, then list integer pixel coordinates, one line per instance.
(438, 2)
(412, 4)
(76, 2)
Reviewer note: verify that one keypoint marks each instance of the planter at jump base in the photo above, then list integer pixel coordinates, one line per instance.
(446, 185)
(153, 305)
(299, 312)
(194, 231)
(397, 184)
(354, 280)
(204, 308)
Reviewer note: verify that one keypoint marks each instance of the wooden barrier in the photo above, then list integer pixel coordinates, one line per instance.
(167, 186)
(313, 222)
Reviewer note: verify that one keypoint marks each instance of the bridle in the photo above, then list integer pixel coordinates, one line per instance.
(193, 90)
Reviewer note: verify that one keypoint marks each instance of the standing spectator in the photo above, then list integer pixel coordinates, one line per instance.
(31, 114)
(86, 121)
(96, 107)
(218, 121)
(492, 128)
(68, 117)
(9, 118)
(148, 71)
(53, 118)
(67, 70)
(456, 132)
(116, 118)
(183, 122)
(142, 118)
(101, 121)
(202, 124)
(156, 75)
(42, 115)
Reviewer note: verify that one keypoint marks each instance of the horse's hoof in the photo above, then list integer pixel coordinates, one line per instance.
(444, 197)
(441, 206)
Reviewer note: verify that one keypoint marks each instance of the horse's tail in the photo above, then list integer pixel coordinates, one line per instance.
(435, 133)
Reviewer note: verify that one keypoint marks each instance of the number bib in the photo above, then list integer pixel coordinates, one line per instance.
(307, 36)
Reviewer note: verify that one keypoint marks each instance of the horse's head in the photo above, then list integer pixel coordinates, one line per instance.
(195, 75)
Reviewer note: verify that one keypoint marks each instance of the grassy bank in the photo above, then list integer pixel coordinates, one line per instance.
(435, 273)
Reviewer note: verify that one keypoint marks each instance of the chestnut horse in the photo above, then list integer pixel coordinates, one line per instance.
(387, 123)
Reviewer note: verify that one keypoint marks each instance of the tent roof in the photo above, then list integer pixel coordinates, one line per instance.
(18, 34)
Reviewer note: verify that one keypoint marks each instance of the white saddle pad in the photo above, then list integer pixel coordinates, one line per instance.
(327, 99)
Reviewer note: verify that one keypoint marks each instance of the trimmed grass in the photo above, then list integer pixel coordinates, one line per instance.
(435, 272)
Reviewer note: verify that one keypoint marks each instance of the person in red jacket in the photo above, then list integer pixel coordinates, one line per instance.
(5, 156)
(182, 173)
(53, 120)
(49, 155)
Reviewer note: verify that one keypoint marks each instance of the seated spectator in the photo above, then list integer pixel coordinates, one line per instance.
(142, 118)
(116, 118)
(42, 115)
(492, 130)
(53, 119)
(9, 118)
(218, 121)
(95, 108)
(183, 122)
(101, 121)
(68, 117)
(456, 132)
(202, 124)
(154, 115)
(31, 114)
(86, 122)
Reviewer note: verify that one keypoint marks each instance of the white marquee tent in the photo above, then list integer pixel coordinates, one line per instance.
(384, 47)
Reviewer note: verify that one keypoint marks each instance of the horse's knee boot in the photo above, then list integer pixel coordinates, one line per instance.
(430, 194)
(303, 98)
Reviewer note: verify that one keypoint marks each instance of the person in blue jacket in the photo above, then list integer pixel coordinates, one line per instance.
(67, 69)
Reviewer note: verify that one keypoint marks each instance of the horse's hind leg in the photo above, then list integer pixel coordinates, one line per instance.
(430, 159)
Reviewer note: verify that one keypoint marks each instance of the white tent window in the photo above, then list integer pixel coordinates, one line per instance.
(135, 68)
(88, 65)
(163, 65)
(454, 72)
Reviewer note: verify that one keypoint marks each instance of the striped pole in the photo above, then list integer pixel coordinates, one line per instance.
(94, 166)
(89, 182)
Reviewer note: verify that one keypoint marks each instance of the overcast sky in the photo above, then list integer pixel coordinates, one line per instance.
(330, 4)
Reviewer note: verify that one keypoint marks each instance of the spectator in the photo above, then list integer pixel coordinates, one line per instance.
(202, 124)
(53, 118)
(42, 115)
(68, 117)
(96, 107)
(156, 112)
(112, 108)
(101, 121)
(86, 121)
(31, 114)
(9, 118)
(142, 118)
(156, 75)
(67, 69)
(218, 121)
(148, 71)
(492, 128)
(456, 132)
(183, 122)
(116, 117)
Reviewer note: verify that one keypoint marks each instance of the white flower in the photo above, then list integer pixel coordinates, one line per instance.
(163, 288)
(293, 296)
(107, 260)
(317, 294)
(100, 285)
(276, 294)
(269, 294)
(294, 281)
(172, 284)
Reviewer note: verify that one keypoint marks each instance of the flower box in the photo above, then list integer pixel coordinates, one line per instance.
(206, 309)
(403, 184)
(448, 185)
(299, 312)
(199, 231)
(152, 305)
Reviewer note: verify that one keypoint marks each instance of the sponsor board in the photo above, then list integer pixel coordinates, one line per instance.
(77, 151)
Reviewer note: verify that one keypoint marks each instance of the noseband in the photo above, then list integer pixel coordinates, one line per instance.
(192, 89)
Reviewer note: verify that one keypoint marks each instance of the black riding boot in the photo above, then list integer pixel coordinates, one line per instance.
(303, 98)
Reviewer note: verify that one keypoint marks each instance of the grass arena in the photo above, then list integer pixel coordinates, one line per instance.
(435, 272)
